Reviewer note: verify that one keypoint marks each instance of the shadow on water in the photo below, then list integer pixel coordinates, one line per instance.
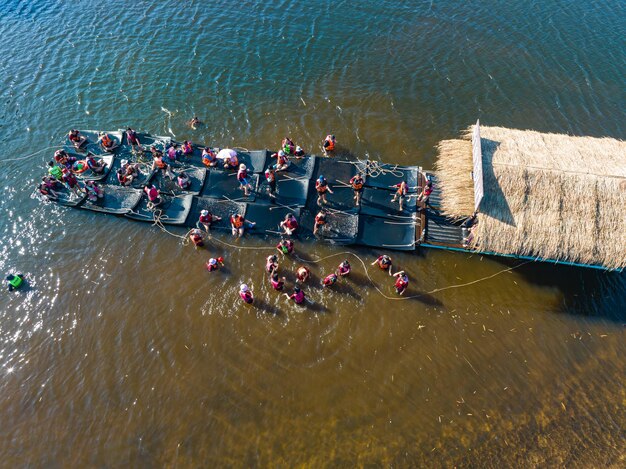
(265, 307)
(494, 202)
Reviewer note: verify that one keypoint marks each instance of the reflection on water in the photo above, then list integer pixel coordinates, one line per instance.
(123, 349)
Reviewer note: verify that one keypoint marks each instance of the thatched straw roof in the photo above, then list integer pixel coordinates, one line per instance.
(550, 196)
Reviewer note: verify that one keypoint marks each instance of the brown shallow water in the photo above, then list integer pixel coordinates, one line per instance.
(124, 351)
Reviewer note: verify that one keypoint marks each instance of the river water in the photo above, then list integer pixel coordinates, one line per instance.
(124, 351)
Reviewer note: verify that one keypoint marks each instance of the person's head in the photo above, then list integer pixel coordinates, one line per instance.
(212, 261)
(296, 289)
(298, 148)
(204, 213)
(244, 288)
(129, 130)
(242, 166)
(358, 174)
(333, 137)
(345, 263)
(207, 149)
(274, 258)
(123, 163)
(281, 153)
(50, 163)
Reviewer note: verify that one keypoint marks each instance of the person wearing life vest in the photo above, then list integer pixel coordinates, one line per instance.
(70, 181)
(344, 268)
(158, 163)
(287, 146)
(96, 166)
(282, 161)
(48, 186)
(357, 183)
(270, 177)
(94, 191)
(425, 194)
(299, 153)
(271, 264)
(153, 195)
(320, 221)
(106, 142)
(229, 157)
(402, 282)
(329, 144)
(303, 274)
(187, 148)
(214, 264)
(76, 139)
(289, 224)
(15, 282)
(285, 246)
(209, 158)
(55, 171)
(238, 224)
(322, 187)
(297, 296)
(329, 280)
(384, 262)
(242, 178)
(133, 140)
(122, 178)
(246, 294)
(196, 237)
(60, 156)
(206, 219)
(183, 181)
(401, 191)
(277, 282)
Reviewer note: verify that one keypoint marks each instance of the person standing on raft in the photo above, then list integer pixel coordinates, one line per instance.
(320, 221)
(206, 219)
(321, 186)
(270, 177)
(242, 178)
(246, 294)
(154, 196)
(401, 191)
(133, 140)
(357, 186)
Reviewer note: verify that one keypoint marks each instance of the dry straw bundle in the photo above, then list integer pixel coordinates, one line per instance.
(546, 195)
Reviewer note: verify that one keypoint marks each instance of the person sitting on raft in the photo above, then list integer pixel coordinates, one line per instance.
(196, 237)
(76, 139)
(320, 221)
(328, 145)
(271, 264)
(209, 158)
(270, 177)
(297, 296)
(357, 183)
(55, 171)
(303, 274)
(158, 163)
(282, 161)
(96, 166)
(61, 157)
(214, 264)
(206, 219)
(384, 262)
(277, 282)
(127, 173)
(106, 142)
(15, 281)
(238, 224)
(246, 294)
(183, 181)
(94, 191)
(154, 196)
(285, 246)
(242, 178)
(47, 186)
(344, 268)
(133, 140)
(287, 146)
(329, 280)
(402, 282)
(229, 158)
(289, 224)
(187, 149)
(299, 153)
(401, 191)
(321, 186)
(70, 180)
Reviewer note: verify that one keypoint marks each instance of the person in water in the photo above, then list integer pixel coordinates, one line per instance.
(209, 157)
(277, 282)
(76, 139)
(271, 264)
(154, 196)
(303, 274)
(344, 269)
(299, 153)
(214, 264)
(357, 183)
(242, 178)
(239, 224)
(320, 220)
(289, 224)
(329, 280)
(322, 187)
(206, 219)
(287, 146)
(183, 181)
(194, 123)
(402, 282)
(246, 294)
(94, 191)
(328, 145)
(270, 177)
(196, 237)
(297, 296)
(96, 166)
(285, 246)
(106, 142)
(401, 192)
(384, 262)
(15, 281)
(133, 140)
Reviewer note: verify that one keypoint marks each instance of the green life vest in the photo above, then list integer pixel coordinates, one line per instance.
(56, 172)
(16, 281)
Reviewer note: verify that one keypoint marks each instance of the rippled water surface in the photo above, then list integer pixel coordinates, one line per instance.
(124, 351)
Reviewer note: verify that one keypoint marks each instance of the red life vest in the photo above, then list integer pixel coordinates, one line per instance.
(321, 187)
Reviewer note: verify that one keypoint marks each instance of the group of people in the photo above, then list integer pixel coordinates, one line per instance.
(62, 171)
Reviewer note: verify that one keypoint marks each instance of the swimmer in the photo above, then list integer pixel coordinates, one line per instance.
(246, 294)
(242, 178)
(15, 282)
(271, 264)
(214, 264)
(206, 219)
(106, 142)
(402, 282)
(344, 268)
(194, 123)
(329, 280)
(196, 237)
(76, 139)
(297, 296)
(303, 274)
(289, 224)
(384, 262)
(277, 283)
(285, 246)
(321, 186)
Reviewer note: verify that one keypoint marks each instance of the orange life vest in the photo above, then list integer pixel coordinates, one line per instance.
(331, 143)
(237, 221)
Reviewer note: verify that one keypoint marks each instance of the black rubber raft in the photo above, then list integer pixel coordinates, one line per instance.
(377, 222)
